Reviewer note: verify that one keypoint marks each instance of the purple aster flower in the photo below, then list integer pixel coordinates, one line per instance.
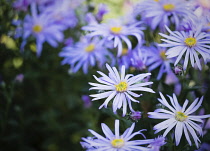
(135, 115)
(202, 7)
(157, 143)
(119, 88)
(84, 54)
(158, 13)
(179, 117)
(22, 4)
(192, 43)
(139, 58)
(156, 58)
(118, 32)
(41, 26)
(87, 101)
(115, 142)
(102, 10)
(62, 12)
(19, 78)
(125, 58)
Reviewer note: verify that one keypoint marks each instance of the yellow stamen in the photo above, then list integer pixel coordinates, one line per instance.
(37, 28)
(118, 143)
(163, 54)
(180, 116)
(124, 51)
(190, 41)
(121, 87)
(156, 0)
(90, 48)
(209, 28)
(116, 30)
(168, 7)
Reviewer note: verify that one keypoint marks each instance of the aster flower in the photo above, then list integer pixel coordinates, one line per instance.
(117, 31)
(102, 10)
(84, 54)
(125, 58)
(41, 26)
(180, 118)
(192, 43)
(119, 87)
(156, 58)
(139, 58)
(202, 6)
(115, 142)
(163, 12)
(157, 143)
(62, 12)
(22, 4)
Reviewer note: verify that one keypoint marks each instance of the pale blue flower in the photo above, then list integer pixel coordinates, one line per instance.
(156, 58)
(85, 53)
(63, 12)
(190, 43)
(158, 13)
(119, 87)
(118, 32)
(41, 27)
(179, 117)
(115, 142)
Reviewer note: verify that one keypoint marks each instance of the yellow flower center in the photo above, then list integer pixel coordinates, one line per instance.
(90, 48)
(190, 41)
(37, 28)
(121, 87)
(118, 143)
(168, 7)
(180, 116)
(208, 25)
(124, 51)
(116, 30)
(156, 0)
(163, 54)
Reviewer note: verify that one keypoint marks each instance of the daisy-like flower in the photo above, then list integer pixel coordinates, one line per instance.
(180, 118)
(63, 12)
(115, 142)
(157, 58)
(192, 43)
(117, 32)
(84, 54)
(41, 26)
(119, 87)
(163, 12)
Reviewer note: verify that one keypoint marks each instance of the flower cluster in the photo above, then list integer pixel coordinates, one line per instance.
(161, 44)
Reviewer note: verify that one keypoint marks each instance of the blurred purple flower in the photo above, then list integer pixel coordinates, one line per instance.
(22, 4)
(135, 115)
(69, 41)
(139, 57)
(42, 27)
(178, 70)
(62, 12)
(19, 78)
(90, 19)
(102, 10)
(117, 31)
(158, 13)
(84, 54)
(87, 101)
(156, 58)
(157, 143)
